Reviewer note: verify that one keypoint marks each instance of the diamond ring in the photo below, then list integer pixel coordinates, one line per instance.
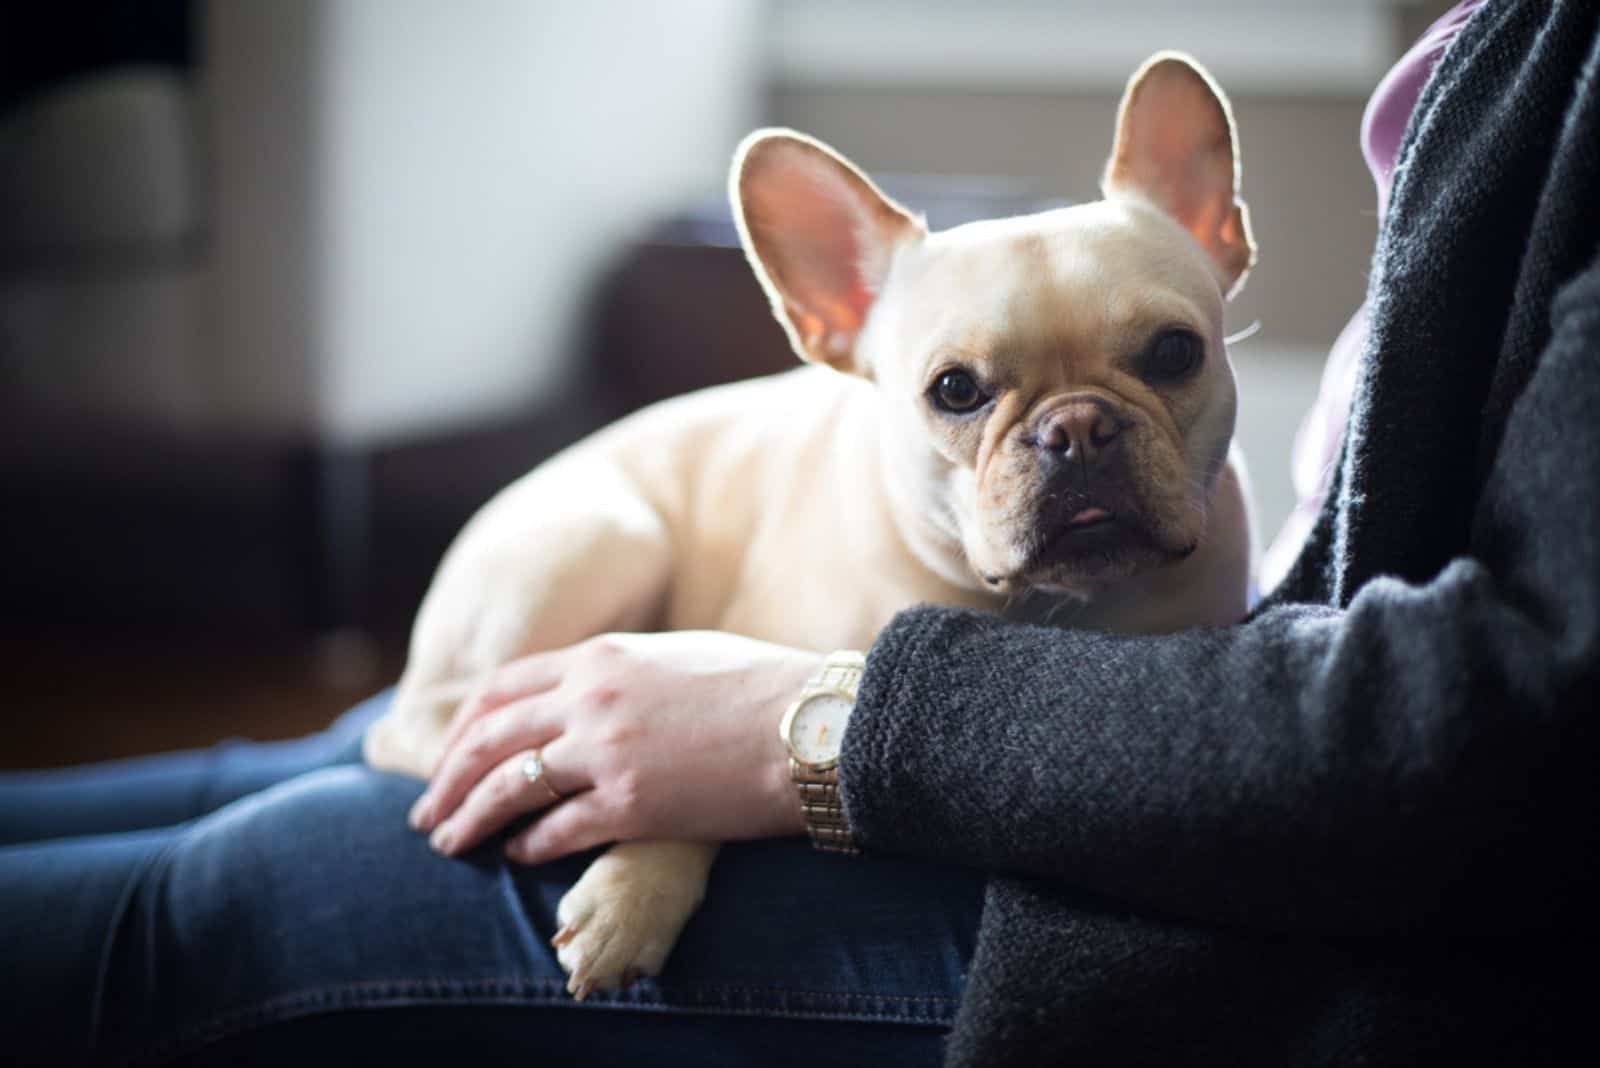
(533, 771)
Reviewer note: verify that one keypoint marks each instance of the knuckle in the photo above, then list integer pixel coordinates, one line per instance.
(504, 787)
(616, 734)
(475, 743)
(603, 646)
(601, 698)
(489, 696)
(556, 838)
(602, 745)
(496, 697)
(628, 795)
(630, 785)
(476, 704)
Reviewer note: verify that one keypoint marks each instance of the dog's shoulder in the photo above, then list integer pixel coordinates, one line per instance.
(766, 414)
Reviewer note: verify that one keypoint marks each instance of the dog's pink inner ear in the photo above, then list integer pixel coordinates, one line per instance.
(821, 237)
(1176, 145)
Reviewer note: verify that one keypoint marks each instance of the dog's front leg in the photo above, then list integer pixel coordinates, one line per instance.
(621, 919)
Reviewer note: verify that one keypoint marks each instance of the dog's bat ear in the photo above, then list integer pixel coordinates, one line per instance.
(1176, 145)
(821, 238)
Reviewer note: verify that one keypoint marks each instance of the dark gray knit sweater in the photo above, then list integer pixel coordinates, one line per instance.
(1359, 828)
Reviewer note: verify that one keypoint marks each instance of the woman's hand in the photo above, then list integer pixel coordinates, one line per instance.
(669, 735)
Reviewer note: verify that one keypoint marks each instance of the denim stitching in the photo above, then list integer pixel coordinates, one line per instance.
(119, 915)
(538, 992)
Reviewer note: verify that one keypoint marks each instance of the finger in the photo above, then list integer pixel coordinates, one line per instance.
(578, 823)
(526, 677)
(490, 739)
(498, 798)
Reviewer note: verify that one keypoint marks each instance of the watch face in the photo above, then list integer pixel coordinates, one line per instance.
(818, 727)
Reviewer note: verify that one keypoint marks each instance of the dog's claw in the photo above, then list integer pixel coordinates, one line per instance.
(620, 919)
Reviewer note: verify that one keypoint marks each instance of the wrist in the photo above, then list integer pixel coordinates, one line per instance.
(789, 681)
(813, 732)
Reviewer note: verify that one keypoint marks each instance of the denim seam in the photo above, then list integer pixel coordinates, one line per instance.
(395, 993)
(119, 915)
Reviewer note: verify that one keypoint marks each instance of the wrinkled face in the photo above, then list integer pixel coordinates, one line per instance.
(1059, 385)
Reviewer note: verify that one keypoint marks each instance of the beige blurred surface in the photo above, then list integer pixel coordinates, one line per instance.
(1311, 199)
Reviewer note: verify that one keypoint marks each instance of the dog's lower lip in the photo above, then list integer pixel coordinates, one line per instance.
(1091, 528)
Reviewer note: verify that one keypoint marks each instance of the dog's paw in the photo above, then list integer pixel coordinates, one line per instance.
(621, 919)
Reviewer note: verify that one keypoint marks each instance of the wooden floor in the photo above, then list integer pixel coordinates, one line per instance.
(74, 698)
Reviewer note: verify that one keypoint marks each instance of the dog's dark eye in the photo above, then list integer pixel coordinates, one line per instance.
(1172, 355)
(955, 391)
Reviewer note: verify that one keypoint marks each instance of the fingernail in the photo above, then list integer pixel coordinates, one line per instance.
(419, 813)
(440, 839)
(575, 982)
(563, 936)
(583, 991)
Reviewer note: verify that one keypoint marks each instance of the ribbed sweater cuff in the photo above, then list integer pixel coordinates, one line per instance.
(866, 761)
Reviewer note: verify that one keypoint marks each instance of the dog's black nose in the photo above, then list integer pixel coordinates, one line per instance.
(1079, 430)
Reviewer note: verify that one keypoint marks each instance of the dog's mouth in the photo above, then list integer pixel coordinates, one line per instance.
(1091, 518)
(1088, 538)
(1094, 545)
(1079, 537)
(1094, 538)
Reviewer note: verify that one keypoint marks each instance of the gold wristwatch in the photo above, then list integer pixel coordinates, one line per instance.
(813, 729)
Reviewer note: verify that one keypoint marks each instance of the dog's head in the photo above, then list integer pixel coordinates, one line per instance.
(1059, 397)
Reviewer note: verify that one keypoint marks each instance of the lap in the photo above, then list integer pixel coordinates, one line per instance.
(168, 788)
(311, 905)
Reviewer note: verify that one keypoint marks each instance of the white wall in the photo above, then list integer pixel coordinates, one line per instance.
(415, 195)
(474, 165)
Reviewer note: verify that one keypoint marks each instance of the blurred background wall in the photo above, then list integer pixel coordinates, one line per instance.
(287, 289)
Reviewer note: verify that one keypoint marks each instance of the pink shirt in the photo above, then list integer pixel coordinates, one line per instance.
(1316, 446)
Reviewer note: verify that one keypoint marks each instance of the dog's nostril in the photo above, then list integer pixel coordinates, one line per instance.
(1103, 431)
(1078, 431)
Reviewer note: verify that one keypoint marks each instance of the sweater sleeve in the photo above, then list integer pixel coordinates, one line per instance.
(1423, 759)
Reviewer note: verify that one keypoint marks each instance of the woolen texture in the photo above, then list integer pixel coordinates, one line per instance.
(1360, 827)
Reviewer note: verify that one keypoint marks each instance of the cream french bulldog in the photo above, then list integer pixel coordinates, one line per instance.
(1040, 403)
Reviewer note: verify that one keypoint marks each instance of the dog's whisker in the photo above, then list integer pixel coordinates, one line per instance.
(1244, 334)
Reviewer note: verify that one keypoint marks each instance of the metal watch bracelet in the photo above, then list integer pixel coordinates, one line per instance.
(823, 812)
(819, 790)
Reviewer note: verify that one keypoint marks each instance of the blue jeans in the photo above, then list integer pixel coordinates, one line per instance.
(266, 903)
